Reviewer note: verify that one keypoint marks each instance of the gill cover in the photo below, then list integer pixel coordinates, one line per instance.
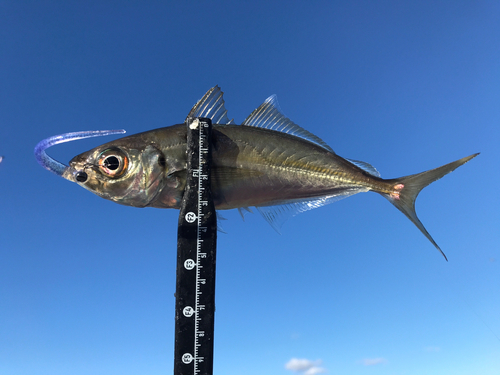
(53, 165)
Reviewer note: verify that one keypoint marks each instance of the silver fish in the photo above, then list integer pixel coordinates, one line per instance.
(267, 162)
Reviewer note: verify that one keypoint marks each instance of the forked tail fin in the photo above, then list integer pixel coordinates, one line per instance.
(406, 190)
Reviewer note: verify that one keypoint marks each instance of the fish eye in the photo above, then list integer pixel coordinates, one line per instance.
(113, 162)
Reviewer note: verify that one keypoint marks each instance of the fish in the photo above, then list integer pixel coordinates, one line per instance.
(267, 162)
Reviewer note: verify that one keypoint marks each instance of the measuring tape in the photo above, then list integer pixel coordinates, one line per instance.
(196, 250)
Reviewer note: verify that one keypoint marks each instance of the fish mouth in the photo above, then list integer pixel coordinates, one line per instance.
(57, 167)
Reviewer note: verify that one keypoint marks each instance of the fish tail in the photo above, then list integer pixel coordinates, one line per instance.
(406, 190)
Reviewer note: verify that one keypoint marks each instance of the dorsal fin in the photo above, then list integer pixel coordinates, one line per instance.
(211, 106)
(269, 116)
(365, 166)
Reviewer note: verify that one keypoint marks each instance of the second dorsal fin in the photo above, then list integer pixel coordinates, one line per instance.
(365, 166)
(269, 116)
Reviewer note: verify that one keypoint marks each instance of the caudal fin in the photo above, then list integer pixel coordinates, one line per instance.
(406, 190)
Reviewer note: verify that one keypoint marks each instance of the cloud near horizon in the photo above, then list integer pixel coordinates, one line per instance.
(305, 366)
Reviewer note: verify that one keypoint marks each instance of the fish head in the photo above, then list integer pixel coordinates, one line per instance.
(126, 171)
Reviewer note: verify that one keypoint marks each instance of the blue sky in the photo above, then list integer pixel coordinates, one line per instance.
(86, 285)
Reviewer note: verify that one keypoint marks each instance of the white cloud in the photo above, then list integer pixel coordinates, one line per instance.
(315, 370)
(373, 361)
(306, 366)
(296, 364)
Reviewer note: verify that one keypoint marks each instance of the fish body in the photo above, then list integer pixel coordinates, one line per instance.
(250, 167)
(267, 162)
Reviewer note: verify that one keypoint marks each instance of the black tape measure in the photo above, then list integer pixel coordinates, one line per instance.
(196, 251)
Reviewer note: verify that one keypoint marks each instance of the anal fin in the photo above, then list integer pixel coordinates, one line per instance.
(277, 215)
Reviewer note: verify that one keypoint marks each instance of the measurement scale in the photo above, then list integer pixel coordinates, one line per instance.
(196, 251)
